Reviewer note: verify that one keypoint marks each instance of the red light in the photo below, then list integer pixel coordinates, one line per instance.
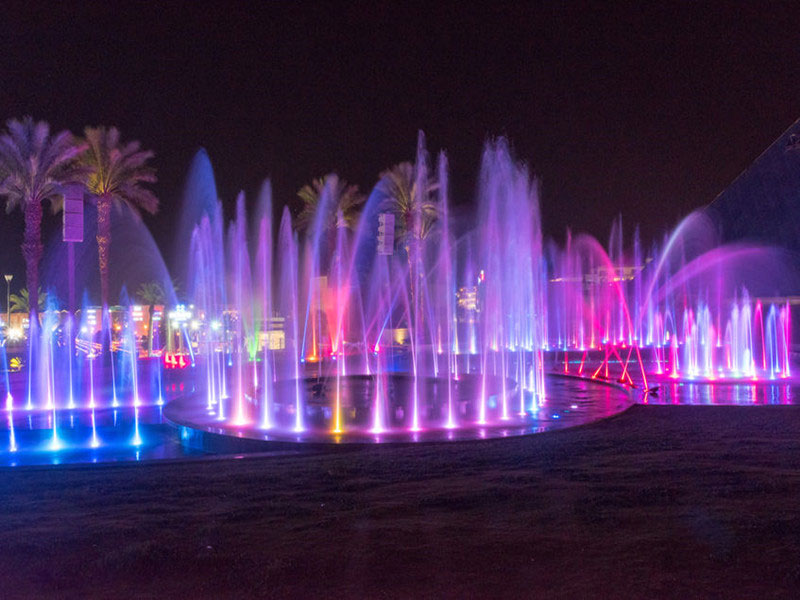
(174, 361)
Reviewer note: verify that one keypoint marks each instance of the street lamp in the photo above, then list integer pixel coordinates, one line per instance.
(8, 299)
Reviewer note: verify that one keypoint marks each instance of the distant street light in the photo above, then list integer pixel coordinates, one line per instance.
(8, 299)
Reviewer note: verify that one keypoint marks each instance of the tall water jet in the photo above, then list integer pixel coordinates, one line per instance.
(287, 244)
(264, 260)
(238, 244)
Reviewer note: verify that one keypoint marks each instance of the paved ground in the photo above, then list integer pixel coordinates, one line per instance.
(659, 502)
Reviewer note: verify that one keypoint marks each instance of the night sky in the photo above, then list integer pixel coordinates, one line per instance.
(648, 111)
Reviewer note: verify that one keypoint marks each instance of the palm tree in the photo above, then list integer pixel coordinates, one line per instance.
(344, 208)
(416, 214)
(36, 167)
(116, 174)
(416, 210)
(22, 302)
(151, 293)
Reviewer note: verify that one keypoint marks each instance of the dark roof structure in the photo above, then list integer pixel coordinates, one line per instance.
(763, 203)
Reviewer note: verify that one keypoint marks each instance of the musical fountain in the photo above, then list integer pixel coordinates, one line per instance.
(402, 325)
(335, 337)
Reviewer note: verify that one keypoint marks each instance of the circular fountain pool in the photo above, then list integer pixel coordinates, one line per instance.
(87, 435)
(368, 409)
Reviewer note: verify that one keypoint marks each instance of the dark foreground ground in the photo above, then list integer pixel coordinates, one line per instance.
(659, 502)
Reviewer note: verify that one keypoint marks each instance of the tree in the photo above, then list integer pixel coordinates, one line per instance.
(116, 174)
(151, 293)
(344, 208)
(416, 210)
(22, 302)
(416, 214)
(36, 167)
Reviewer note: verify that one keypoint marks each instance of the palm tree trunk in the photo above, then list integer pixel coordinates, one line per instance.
(103, 244)
(32, 251)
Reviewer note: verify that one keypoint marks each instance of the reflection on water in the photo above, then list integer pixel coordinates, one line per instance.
(85, 435)
(568, 401)
(716, 393)
(128, 433)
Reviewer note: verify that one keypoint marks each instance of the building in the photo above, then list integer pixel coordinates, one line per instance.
(762, 204)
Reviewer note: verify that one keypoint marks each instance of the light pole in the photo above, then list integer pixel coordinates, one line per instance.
(8, 299)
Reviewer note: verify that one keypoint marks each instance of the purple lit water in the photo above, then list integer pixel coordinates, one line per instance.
(454, 332)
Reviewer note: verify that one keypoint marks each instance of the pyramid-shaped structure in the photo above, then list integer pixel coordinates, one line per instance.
(762, 204)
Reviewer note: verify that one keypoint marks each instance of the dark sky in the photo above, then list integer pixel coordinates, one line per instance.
(643, 109)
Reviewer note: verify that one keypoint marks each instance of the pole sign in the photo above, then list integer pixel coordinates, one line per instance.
(385, 234)
(73, 214)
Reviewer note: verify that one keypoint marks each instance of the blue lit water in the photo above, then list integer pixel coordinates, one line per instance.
(88, 436)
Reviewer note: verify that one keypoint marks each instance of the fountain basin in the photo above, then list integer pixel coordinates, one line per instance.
(568, 401)
(103, 435)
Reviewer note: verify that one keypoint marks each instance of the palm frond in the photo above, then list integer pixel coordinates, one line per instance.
(346, 200)
(151, 293)
(416, 210)
(118, 171)
(36, 166)
(20, 303)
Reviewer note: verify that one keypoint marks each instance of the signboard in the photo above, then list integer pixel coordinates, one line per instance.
(73, 214)
(175, 361)
(92, 318)
(180, 315)
(386, 234)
